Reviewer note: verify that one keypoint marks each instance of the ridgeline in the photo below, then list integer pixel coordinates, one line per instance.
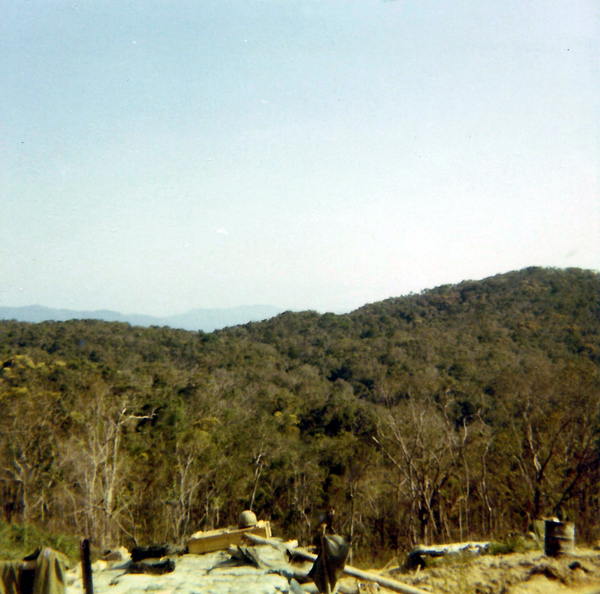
(464, 412)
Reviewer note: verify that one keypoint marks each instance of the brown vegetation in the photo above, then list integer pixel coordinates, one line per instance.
(464, 412)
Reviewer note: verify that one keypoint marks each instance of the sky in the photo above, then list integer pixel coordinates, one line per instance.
(158, 156)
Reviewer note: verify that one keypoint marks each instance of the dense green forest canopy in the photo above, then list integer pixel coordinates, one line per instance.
(465, 411)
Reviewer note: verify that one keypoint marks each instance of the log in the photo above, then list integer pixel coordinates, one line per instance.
(156, 568)
(276, 543)
(393, 585)
(416, 556)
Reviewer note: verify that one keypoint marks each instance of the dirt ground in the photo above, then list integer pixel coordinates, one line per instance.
(217, 573)
(516, 573)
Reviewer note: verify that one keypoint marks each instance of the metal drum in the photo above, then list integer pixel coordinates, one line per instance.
(559, 539)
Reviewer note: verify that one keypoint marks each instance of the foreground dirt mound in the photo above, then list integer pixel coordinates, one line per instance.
(268, 572)
(517, 573)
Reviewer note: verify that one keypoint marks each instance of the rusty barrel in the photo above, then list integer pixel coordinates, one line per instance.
(559, 538)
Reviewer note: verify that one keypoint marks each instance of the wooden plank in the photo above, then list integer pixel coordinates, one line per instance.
(220, 540)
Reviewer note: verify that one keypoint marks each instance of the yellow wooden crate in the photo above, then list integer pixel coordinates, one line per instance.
(220, 540)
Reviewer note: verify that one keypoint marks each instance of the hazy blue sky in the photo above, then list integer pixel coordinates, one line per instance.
(162, 155)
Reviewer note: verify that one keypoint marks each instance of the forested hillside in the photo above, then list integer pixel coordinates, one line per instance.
(463, 412)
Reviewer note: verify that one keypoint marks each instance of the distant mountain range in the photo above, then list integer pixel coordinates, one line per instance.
(206, 320)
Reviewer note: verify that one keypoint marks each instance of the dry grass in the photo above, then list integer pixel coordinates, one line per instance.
(529, 572)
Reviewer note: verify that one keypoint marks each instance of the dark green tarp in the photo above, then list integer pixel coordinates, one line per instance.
(329, 565)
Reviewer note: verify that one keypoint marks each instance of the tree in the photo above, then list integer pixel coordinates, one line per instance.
(95, 464)
(552, 416)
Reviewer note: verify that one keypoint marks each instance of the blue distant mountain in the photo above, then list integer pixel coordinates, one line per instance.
(206, 320)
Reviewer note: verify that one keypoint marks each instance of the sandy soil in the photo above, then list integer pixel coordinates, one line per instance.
(517, 573)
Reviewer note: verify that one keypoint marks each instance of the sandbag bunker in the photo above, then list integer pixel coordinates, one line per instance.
(244, 560)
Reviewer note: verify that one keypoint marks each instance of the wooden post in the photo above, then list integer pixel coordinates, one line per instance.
(86, 567)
